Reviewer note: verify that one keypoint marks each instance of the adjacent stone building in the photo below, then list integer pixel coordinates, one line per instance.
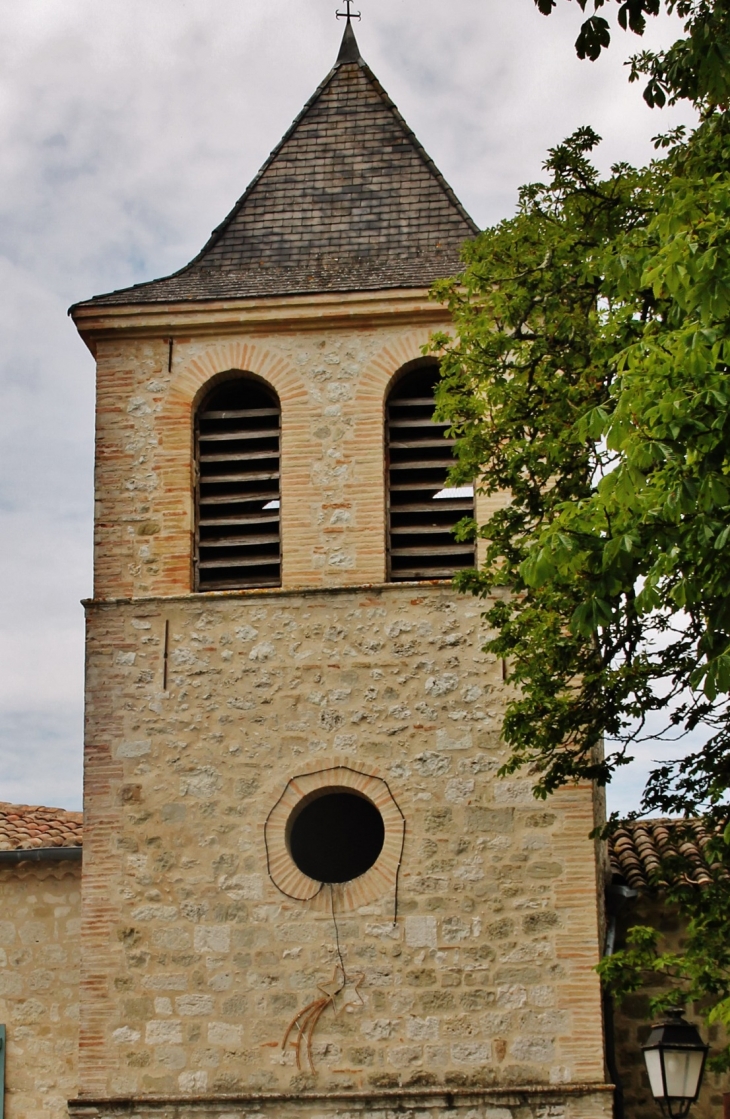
(40, 917)
(305, 891)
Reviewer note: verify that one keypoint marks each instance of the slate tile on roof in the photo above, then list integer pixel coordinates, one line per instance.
(24, 827)
(348, 201)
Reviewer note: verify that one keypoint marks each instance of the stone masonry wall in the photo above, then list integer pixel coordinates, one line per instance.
(194, 964)
(331, 384)
(39, 976)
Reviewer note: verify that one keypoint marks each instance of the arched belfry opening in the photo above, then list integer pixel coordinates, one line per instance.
(237, 493)
(422, 509)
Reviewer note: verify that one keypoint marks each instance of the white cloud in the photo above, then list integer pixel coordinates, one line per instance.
(127, 131)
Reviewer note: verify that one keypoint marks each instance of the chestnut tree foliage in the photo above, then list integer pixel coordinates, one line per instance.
(588, 381)
(694, 68)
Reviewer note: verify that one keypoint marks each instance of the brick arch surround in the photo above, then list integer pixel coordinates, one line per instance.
(391, 358)
(250, 357)
(381, 879)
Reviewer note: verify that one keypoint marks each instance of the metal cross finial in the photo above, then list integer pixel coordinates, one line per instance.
(349, 14)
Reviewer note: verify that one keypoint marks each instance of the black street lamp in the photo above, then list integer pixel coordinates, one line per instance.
(675, 1057)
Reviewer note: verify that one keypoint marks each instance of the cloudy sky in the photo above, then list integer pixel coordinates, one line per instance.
(128, 128)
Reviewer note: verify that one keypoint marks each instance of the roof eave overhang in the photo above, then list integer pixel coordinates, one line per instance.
(40, 855)
(273, 314)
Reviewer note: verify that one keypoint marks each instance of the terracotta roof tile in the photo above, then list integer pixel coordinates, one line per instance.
(348, 201)
(25, 826)
(637, 850)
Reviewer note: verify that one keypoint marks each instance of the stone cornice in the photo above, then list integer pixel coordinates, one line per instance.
(402, 1098)
(284, 314)
(201, 598)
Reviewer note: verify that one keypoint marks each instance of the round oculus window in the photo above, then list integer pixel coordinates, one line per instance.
(337, 836)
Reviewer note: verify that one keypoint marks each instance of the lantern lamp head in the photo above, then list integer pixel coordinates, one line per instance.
(675, 1057)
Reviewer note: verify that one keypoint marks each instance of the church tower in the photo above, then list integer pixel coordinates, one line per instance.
(305, 890)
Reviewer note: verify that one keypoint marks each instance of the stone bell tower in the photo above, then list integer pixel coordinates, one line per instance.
(305, 890)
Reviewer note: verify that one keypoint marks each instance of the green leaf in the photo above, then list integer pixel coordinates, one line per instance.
(594, 36)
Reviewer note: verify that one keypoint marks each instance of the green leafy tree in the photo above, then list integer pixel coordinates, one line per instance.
(695, 67)
(588, 380)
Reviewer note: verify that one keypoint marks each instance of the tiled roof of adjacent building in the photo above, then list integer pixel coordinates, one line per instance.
(638, 849)
(348, 201)
(24, 827)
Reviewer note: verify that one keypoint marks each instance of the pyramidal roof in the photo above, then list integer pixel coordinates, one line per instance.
(348, 201)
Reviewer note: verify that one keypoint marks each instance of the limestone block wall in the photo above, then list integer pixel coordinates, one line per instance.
(40, 909)
(331, 384)
(195, 964)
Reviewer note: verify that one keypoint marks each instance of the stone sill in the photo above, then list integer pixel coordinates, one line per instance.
(401, 1097)
(201, 597)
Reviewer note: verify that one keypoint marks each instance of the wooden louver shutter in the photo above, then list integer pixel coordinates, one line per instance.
(421, 511)
(238, 498)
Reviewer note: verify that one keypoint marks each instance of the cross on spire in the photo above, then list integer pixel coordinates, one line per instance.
(349, 14)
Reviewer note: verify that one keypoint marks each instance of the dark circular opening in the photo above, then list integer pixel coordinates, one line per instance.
(336, 837)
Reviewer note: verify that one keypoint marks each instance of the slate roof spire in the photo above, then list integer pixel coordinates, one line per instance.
(349, 50)
(347, 201)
